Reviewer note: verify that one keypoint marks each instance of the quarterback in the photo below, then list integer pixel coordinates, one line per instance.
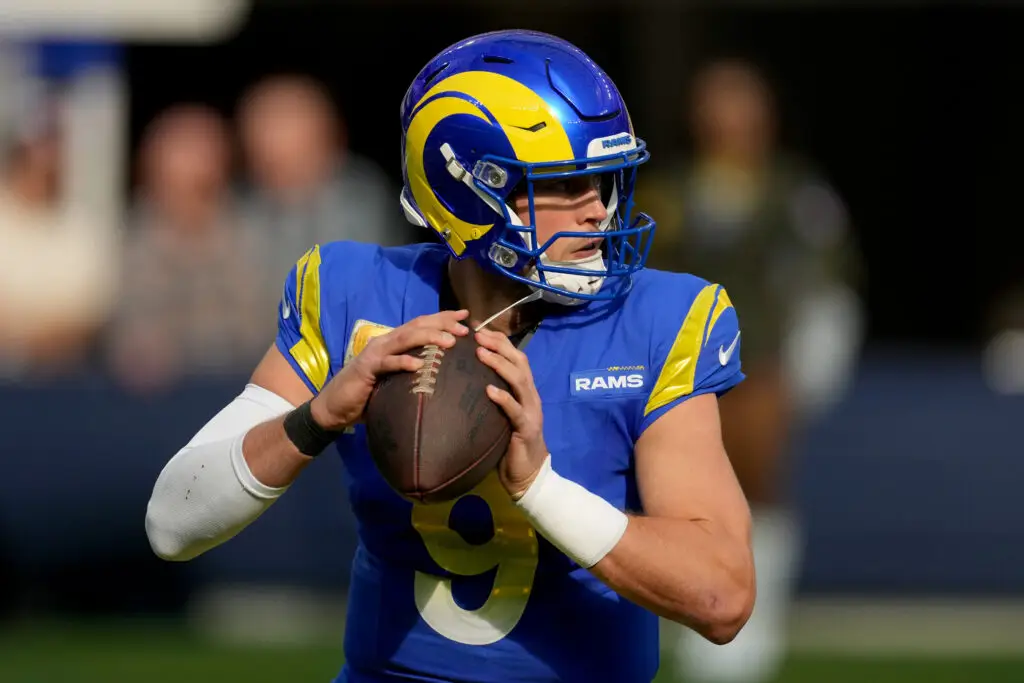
(615, 501)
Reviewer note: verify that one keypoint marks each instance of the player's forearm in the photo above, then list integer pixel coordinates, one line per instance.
(208, 492)
(272, 458)
(687, 571)
(683, 570)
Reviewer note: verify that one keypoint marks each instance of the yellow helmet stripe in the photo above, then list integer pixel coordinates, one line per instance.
(515, 107)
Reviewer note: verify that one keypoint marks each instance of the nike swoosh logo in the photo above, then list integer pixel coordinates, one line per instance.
(286, 310)
(724, 354)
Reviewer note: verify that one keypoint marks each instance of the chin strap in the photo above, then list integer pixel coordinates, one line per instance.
(569, 283)
(532, 296)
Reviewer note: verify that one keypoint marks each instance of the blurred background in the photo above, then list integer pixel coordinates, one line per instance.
(848, 170)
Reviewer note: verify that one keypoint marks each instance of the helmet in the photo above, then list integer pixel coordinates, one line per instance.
(493, 114)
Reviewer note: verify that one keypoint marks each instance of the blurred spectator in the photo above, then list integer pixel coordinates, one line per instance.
(58, 262)
(304, 185)
(197, 298)
(760, 221)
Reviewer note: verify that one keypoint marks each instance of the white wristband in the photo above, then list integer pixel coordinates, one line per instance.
(581, 524)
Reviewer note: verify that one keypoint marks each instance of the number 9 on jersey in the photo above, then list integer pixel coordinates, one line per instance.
(512, 549)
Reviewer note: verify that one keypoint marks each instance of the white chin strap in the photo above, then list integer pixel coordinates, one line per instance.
(571, 283)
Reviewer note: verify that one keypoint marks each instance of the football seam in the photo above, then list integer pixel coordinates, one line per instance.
(426, 377)
(473, 464)
(423, 386)
(420, 399)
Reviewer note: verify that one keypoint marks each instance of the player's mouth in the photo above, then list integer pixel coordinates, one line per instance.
(587, 249)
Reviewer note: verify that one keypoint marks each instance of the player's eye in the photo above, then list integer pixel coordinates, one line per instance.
(573, 186)
(553, 186)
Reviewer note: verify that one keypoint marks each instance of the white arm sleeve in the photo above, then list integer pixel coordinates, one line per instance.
(206, 493)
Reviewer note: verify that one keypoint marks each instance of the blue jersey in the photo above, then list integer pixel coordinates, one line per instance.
(467, 591)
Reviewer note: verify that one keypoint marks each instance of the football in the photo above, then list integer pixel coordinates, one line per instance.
(434, 434)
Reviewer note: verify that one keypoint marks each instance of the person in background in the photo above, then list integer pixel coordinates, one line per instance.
(303, 184)
(760, 220)
(195, 290)
(58, 261)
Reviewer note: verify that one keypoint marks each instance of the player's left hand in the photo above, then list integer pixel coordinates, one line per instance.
(526, 451)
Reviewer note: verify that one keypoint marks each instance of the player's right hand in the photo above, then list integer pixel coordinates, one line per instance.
(342, 401)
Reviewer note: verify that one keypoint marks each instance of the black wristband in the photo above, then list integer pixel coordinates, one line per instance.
(310, 438)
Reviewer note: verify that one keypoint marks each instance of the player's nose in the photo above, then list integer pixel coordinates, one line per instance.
(592, 209)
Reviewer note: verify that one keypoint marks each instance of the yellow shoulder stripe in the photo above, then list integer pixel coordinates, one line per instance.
(721, 307)
(677, 375)
(310, 352)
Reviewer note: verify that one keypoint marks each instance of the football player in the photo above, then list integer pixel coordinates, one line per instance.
(615, 501)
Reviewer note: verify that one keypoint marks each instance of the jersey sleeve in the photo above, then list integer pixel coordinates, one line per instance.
(300, 336)
(703, 356)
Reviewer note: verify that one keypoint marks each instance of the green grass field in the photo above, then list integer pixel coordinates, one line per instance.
(150, 653)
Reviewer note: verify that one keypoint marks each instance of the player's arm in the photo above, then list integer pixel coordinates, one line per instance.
(688, 558)
(248, 454)
(242, 460)
(228, 474)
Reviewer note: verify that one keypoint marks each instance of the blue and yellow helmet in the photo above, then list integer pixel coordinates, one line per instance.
(492, 115)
